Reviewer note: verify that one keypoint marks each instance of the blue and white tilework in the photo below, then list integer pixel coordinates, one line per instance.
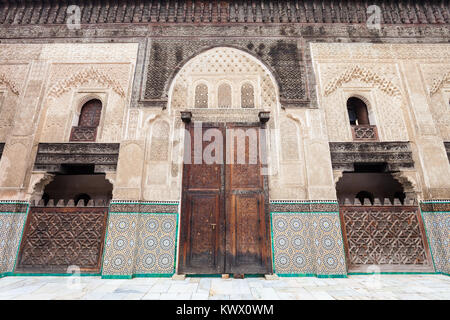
(307, 239)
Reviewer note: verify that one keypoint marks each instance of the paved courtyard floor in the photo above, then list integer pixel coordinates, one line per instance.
(436, 287)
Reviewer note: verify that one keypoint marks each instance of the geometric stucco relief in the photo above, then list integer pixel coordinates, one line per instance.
(4, 80)
(439, 82)
(219, 66)
(365, 75)
(82, 77)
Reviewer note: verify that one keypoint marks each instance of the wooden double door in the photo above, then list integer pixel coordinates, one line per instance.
(224, 213)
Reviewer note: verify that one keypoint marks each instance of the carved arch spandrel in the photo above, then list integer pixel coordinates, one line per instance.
(365, 75)
(439, 82)
(4, 80)
(38, 182)
(82, 77)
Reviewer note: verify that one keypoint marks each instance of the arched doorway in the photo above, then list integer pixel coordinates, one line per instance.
(224, 220)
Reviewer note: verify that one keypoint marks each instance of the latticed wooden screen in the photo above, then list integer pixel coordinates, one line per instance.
(383, 235)
(58, 237)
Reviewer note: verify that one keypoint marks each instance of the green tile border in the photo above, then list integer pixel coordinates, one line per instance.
(310, 275)
(13, 274)
(397, 273)
(137, 275)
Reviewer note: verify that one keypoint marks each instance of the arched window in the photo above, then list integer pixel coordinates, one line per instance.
(201, 96)
(365, 195)
(247, 96)
(90, 114)
(357, 112)
(88, 122)
(224, 96)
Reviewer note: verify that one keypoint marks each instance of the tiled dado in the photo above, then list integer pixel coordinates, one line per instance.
(13, 215)
(436, 217)
(307, 239)
(141, 239)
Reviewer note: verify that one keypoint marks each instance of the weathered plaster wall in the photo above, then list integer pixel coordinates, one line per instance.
(405, 94)
(42, 90)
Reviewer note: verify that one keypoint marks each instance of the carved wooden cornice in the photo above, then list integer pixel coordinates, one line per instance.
(397, 155)
(25, 12)
(51, 156)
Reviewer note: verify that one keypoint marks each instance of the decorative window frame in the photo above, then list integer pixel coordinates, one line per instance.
(216, 93)
(191, 92)
(256, 101)
(79, 98)
(368, 97)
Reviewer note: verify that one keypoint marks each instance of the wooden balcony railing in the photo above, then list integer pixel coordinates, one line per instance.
(364, 133)
(83, 134)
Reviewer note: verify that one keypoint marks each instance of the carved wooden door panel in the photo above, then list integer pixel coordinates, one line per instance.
(247, 246)
(58, 237)
(224, 218)
(202, 219)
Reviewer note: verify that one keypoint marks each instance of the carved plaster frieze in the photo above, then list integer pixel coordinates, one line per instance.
(4, 80)
(365, 75)
(83, 77)
(439, 82)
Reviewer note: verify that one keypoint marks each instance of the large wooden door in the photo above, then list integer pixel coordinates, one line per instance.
(224, 218)
(246, 226)
(202, 211)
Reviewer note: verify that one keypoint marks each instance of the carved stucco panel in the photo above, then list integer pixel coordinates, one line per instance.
(366, 51)
(437, 81)
(65, 79)
(222, 64)
(382, 80)
(12, 80)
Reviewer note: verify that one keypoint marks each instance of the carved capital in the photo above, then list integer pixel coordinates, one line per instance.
(38, 181)
(337, 175)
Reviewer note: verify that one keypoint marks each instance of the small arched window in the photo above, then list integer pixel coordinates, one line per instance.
(357, 112)
(224, 96)
(247, 96)
(88, 122)
(201, 96)
(90, 114)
